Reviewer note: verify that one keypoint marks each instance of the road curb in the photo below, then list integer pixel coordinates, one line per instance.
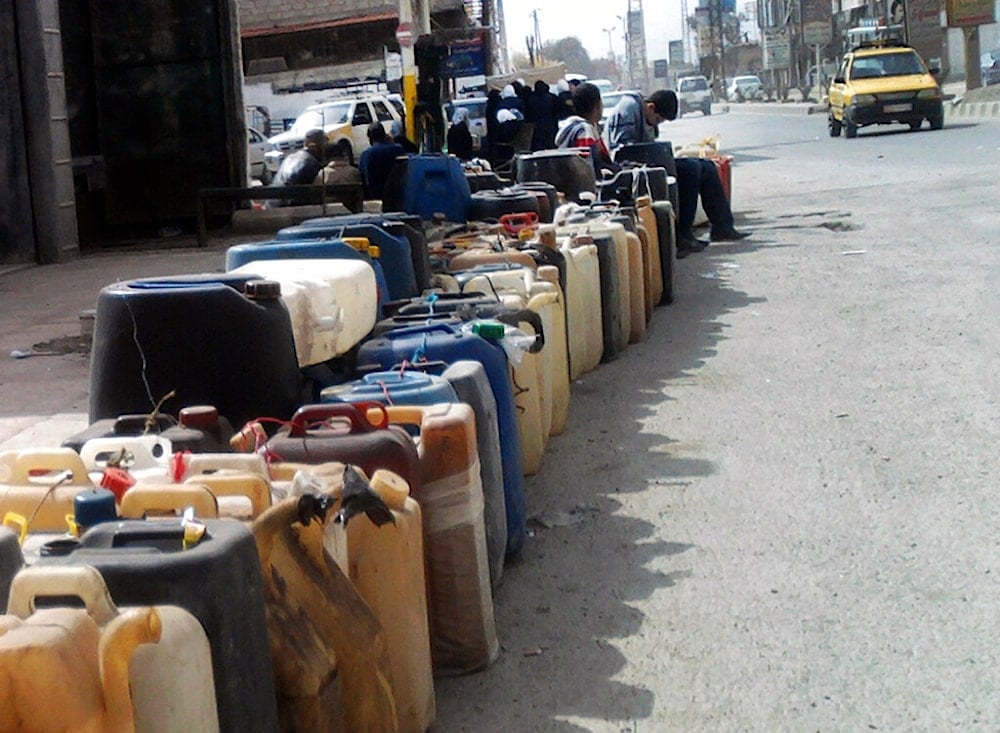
(972, 110)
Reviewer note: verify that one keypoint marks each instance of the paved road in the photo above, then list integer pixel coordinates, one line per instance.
(782, 507)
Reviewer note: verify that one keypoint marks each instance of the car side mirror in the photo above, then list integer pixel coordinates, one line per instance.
(838, 80)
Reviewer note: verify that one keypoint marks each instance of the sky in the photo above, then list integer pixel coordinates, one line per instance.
(585, 19)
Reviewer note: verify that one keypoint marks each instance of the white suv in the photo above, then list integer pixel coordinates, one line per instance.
(694, 94)
(341, 119)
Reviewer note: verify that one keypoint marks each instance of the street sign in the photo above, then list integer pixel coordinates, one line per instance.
(676, 53)
(660, 68)
(404, 34)
(777, 48)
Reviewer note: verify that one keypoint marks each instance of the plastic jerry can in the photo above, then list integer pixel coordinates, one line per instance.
(332, 304)
(145, 669)
(139, 455)
(470, 257)
(443, 342)
(387, 568)
(216, 579)
(190, 335)
(612, 254)
(654, 275)
(395, 387)
(468, 378)
(340, 431)
(666, 232)
(198, 428)
(41, 485)
(435, 184)
(539, 292)
(393, 250)
(311, 248)
(398, 223)
(637, 288)
(331, 665)
(584, 329)
(459, 596)
(11, 560)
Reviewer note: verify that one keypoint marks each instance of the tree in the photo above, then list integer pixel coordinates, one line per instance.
(569, 51)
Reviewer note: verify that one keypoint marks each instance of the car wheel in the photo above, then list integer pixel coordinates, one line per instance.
(915, 125)
(706, 109)
(937, 122)
(834, 127)
(265, 176)
(850, 129)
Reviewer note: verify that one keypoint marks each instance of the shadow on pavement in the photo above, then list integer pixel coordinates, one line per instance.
(564, 608)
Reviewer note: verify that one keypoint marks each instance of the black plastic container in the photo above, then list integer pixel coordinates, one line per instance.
(667, 238)
(217, 580)
(567, 170)
(11, 561)
(200, 430)
(660, 153)
(491, 205)
(199, 336)
(615, 333)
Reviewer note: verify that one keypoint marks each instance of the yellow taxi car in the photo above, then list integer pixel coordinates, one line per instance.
(882, 83)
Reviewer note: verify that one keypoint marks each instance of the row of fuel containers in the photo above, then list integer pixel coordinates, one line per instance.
(335, 523)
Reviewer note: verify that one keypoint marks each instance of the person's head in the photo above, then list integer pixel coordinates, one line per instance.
(340, 152)
(460, 116)
(508, 92)
(587, 102)
(377, 133)
(562, 86)
(315, 142)
(660, 106)
(541, 87)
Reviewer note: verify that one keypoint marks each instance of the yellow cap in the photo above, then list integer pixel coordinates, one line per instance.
(374, 251)
(391, 488)
(359, 243)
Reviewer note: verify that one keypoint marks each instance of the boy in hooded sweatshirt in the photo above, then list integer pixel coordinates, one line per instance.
(580, 129)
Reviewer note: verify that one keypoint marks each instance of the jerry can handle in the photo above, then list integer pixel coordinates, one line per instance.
(354, 412)
(141, 499)
(414, 330)
(526, 315)
(82, 581)
(17, 523)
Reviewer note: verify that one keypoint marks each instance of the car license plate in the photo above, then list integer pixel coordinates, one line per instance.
(898, 107)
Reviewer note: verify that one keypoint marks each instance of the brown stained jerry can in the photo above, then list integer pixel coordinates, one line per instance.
(341, 432)
(387, 568)
(459, 598)
(331, 666)
(41, 484)
(647, 219)
(145, 669)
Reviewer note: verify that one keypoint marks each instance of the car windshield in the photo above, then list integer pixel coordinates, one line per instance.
(889, 64)
(320, 117)
(694, 85)
(611, 100)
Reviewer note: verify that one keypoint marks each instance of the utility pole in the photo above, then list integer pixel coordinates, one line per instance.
(538, 34)
(405, 35)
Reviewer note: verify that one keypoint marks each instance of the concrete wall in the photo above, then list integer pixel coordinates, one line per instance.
(17, 236)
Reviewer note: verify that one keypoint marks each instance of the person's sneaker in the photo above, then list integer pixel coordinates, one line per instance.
(728, 235)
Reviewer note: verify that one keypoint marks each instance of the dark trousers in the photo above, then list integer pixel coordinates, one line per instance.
(699, 177)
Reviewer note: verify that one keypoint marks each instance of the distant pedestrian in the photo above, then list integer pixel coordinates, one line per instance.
(459, 136)
(377, 161)
(542, 111)
(301, 167)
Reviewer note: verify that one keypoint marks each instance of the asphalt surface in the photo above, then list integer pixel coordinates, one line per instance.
(778, 512)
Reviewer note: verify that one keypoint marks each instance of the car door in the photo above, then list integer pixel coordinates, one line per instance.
(360, 119)
(836, 91)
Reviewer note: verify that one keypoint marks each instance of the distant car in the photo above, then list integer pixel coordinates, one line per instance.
(745, 88)
(257, 146)
(881, 84)
(990, 66)
(693, 93)
(605, 85)
(477, 117)
(341, 119)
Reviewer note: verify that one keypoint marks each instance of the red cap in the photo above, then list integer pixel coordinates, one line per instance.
(117, 481)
